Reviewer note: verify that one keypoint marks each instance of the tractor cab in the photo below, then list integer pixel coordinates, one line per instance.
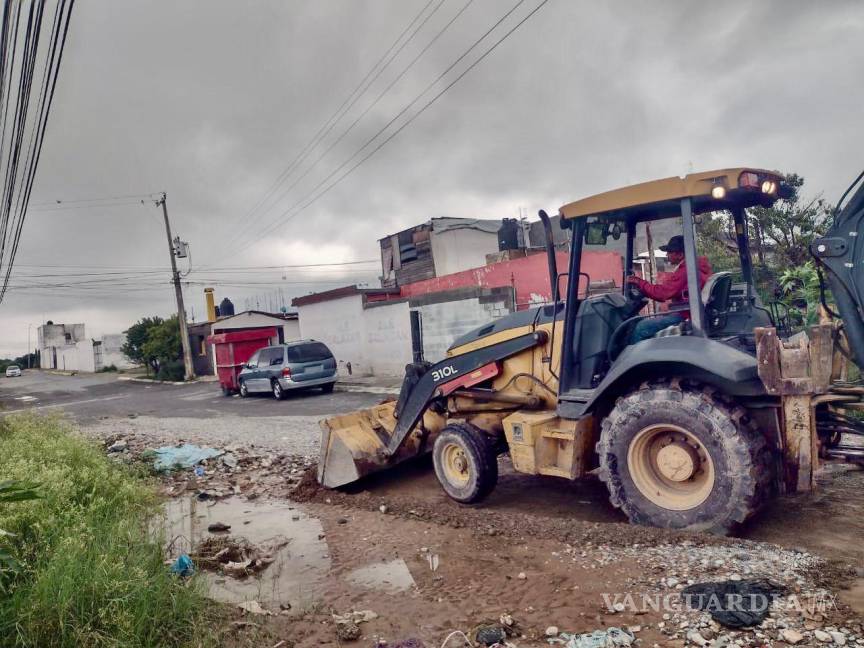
(711, 324)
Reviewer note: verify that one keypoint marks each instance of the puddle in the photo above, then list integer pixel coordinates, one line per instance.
(854, 596)
(297, 574)
(392, 577)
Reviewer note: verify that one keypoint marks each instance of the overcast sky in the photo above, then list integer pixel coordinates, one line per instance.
(211, 101)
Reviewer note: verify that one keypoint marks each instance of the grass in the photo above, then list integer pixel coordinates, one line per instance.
(91, 574)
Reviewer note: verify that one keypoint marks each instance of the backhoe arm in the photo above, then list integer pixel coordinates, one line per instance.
(840, 253)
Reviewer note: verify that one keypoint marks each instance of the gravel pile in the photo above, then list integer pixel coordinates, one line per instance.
(806, 614)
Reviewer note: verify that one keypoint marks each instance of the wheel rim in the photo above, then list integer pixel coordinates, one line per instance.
(671, 467)
(277, 390)
(243, 389)
(456, 466)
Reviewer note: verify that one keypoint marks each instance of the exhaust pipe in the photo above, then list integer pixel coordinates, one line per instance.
(550, 254)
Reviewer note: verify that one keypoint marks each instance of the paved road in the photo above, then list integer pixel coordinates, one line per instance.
(104, 405)
(91, 397)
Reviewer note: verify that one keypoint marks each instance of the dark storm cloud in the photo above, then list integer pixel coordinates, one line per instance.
(210, 101)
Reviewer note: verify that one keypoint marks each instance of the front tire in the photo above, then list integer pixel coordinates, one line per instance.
(683, 458)
(244, 390)
(328, 388)
(465, 463)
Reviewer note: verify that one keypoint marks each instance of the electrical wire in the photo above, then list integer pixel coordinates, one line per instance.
(340, 112)
(20, 170)
(374, 103)
(310, 198)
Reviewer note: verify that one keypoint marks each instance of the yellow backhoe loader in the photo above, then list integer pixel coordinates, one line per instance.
(696, 427)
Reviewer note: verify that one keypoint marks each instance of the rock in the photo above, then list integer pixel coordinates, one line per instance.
(348, 631)
(118, 446)
(791, 636)
(383, 508)
(218, 527)
(838, 637)
(506, 620)
(618, 607)
(696, 638)
(822, 636)
(522, 576)
(671, 582)
(229, 460)
(253, 607)
(552, 631)
(490, 635)
(342, 520)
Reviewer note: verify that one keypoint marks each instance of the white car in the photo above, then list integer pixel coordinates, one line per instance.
(13, 371)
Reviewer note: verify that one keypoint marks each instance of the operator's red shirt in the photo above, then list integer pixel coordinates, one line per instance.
(675, 286)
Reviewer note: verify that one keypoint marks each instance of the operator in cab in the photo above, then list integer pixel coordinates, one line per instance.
(674, 288)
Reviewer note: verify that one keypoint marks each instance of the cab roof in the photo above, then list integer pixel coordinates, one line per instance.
(661, 198)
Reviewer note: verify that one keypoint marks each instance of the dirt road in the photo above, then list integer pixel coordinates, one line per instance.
(538, 555)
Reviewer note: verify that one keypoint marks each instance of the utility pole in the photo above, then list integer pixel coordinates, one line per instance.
(28, 345)
(178, 292)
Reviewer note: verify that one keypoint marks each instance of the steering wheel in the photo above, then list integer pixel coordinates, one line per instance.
(634, 293)
(636, 300)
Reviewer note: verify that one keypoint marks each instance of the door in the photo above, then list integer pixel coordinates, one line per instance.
(250, 371)
(270, 366)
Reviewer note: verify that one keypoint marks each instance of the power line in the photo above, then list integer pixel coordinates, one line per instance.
(65, 201)
(20, 171)
(346, 105)
(374, 103)
(301, 205)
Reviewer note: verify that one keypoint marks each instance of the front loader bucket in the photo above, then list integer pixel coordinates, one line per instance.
(354, 445)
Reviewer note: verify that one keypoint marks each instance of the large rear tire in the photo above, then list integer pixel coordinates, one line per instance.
(684, 458)
(465, 463)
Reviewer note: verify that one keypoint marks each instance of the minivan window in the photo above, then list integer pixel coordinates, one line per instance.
(274, 356)
(312, 352)
(253, 361)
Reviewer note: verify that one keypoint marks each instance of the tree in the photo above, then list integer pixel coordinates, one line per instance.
(136, 337)
(164, 349)
(780, 235)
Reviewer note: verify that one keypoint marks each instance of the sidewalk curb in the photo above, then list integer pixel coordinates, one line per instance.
(153, 381)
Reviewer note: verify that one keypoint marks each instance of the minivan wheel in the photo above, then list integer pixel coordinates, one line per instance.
(278, 392)
(244, 390)
(328, 388)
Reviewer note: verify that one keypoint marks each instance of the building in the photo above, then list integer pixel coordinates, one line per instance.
(203, 360)
(67, 348)
(438, 247)
(369, 329)
(363, 342)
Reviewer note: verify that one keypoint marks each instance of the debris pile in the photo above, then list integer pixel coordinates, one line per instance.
(214, 473)
(235, 556)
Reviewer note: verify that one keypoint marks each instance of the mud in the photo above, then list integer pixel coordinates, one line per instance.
(538, 552)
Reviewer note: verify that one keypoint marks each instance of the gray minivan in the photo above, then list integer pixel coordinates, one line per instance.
(294, 365)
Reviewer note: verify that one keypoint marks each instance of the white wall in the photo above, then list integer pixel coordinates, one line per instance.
(111, 353)
(388, 338)
(376, 340)
(339, 324)
(443, 323)
(461, 249)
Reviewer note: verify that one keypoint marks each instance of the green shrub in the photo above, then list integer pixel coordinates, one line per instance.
(173, 371)
(110, 368)
(90, 573)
